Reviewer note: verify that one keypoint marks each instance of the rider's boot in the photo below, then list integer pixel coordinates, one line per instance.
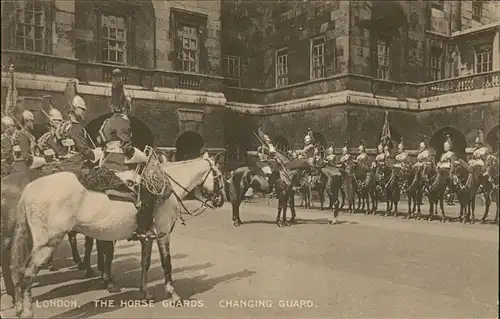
(144, 218)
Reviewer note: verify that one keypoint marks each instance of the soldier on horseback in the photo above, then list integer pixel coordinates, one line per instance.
(448, 156)
(120, 155)
(24, 145)
(402, 158)
(8, 128)
(49, 144)
(424, 156)
(479, 155)
(380, 159)
(307, 152)
(362, 158)
(346, 157)
(330, 157)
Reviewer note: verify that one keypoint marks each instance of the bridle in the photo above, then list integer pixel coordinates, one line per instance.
(217, 198)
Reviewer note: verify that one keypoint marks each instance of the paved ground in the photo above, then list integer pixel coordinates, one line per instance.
(367, 266)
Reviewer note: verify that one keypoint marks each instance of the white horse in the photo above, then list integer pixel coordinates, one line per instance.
(55, 204)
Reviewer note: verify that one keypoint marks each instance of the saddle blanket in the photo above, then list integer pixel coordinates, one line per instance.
(103, 180)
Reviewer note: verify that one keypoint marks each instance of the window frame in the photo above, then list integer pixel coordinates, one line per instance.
(102, 40)
(281, 79)
(322, 68)
(481, 51)
(477, 6)
(386, 68)
(226, 60)
(180, 40)
(32, 24)
(436, 64)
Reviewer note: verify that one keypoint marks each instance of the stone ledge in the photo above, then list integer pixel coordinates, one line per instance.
(58, 84)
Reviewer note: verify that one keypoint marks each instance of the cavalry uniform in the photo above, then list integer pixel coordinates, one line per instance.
(346, 157)
(381, 158)
(77, 148)
(50, 146)
(479, 154)
(330, 159)
(6, 138)
(424, 156)
(362, 158)
(23, 149)
(402, 159)
(448, 156)
(116, 133)
(308, 151)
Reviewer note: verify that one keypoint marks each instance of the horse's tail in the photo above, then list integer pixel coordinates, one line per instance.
(22, 243)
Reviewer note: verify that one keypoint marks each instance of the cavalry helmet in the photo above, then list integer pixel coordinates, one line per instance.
(78, 102)
(7, 120)
(28, 116)
(267, 138)
(361, 147)
(401, 145)
(448, 142)
(307, 139)
(330, 149)
(345, 150)
(479, 139)
(55, 115)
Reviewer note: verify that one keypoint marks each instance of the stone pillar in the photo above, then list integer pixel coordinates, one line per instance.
(496, 51)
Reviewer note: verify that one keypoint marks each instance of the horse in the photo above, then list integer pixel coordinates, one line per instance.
(349, 187)
(465, 184)
(12, 186)
(314, 182)
(284, 185)
(364, 180)
(94, 214)
(415, 191)
(241, 180)
(435, 180)
(489, 184)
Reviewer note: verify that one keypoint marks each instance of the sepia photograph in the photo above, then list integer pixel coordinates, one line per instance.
(264, 159)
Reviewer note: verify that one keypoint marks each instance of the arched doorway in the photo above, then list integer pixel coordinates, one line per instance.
(319, 139)
(188, 146)
(281, 143)
(458, 142)
(141, 134)
(493, 138)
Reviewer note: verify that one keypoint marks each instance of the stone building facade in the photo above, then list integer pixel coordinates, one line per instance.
(338, 66)
(207, 74)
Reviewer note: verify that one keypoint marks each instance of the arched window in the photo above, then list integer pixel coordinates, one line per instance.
(26, 25)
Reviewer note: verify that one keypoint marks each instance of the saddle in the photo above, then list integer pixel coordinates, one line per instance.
(127, 186)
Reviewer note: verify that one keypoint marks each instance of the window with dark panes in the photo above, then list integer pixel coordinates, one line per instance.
(282, 67)
(30, 31)
(484, 58)
(383, 59)
(477, 8)
(318, 58)
(232, 66)
(189, 52)
(436, 64)
(113, 39)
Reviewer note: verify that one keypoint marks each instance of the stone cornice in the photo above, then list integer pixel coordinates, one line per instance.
(57, 84)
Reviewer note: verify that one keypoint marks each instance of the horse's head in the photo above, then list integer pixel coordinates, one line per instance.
(212, 186)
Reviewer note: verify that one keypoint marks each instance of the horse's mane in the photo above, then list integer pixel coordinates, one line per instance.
(464, 164)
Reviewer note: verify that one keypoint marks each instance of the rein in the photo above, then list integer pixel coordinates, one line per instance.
(204, 203)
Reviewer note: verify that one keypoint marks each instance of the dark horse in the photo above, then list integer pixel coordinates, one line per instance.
(488, 180)
(242, 179)
(415, 190)
(387, 185)
(465, 184)
(435, 181)
(349, 187)
(365, 184)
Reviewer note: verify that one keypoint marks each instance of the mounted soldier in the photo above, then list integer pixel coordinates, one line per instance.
(448, 156)
(330, 158)
(424, 156)
(24, 145)
(8, 128)
(402, 158)
(307, 152)
(362, 158)
(49, 144)
(120, 155)
(479, 155)
(78, 149)
(380, 159)
(346, 157)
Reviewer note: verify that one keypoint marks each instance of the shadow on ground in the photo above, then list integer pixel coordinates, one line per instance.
(186, 288)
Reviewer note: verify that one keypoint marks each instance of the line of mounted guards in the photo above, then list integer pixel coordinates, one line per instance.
(309, 156)
(68, 147)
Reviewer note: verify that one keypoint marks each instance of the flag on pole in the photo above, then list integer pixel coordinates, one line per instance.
(10, 103)
(386, 131)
